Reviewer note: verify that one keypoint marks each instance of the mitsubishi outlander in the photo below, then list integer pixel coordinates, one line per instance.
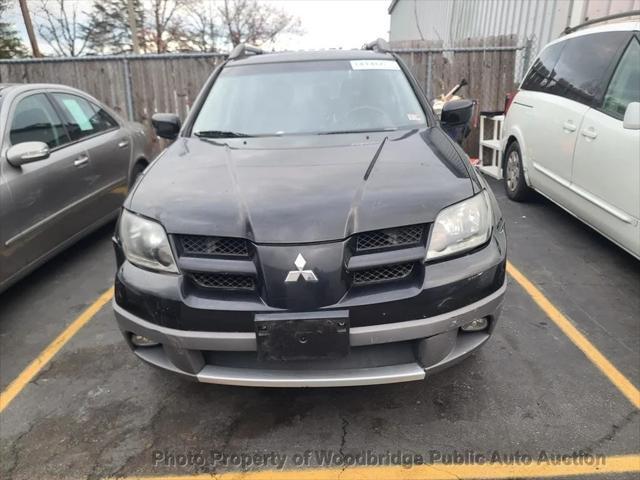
(310, 225)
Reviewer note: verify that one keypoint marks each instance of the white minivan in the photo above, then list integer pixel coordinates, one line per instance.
(572, 131)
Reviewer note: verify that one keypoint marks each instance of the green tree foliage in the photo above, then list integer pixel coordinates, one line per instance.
(109, 26)
(10, 44)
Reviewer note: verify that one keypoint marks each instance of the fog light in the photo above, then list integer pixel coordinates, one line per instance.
(476, 325)
(140, 341)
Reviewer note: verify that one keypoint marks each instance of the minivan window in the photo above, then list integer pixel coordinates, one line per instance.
(83, 118)
(311, 97)
(625, 84)
(538, 77)
(582, 68)
(35, 120)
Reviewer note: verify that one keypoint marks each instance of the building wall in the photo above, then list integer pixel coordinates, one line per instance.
(454, 20)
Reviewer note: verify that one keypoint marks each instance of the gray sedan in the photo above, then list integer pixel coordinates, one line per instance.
(66, 164)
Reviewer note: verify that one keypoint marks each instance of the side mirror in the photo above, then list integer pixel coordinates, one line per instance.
(27, 152)
(632, 116)
(456, 118)
(166, 125)
(456, 113)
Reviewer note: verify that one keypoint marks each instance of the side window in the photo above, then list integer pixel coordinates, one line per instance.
(538, 77)
(35, 120)
(625, 84)
(580, 72)
(81, 117)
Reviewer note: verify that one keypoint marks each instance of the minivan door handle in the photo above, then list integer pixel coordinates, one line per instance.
(589, 133)
(569, 126)
(123, 143)
(81, 161)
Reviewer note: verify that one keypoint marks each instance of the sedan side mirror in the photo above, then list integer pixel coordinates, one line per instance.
(166, 125)
(632, 116)
(27, 152)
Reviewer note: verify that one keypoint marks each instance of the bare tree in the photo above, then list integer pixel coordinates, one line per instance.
(247, 21)
(165, 24)
(203, 26)
(59, 25)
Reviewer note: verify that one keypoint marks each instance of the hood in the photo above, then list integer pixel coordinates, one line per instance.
(302, 189)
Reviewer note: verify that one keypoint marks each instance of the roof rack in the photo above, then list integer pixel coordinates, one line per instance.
(606, 18)
(379, 45)
(243, 50)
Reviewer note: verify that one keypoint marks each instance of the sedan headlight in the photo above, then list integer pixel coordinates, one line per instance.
(461, 227)
(145, 243)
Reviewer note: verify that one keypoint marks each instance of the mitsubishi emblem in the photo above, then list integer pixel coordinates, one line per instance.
(294, 275)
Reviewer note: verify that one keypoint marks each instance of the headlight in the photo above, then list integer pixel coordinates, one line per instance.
(461, 227)
(145, 243)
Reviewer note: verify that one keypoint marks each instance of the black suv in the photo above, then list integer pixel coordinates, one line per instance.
(311, 225)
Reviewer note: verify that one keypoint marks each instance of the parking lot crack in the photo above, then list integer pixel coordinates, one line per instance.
(343, 442)
(15, 452)
(343, 439)
(615, 429)
(445, 471)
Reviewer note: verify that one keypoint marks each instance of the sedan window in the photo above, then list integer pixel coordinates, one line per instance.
(35, 120)
(81, 117)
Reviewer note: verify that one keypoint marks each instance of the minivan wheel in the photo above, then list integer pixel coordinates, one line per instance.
(514, 183)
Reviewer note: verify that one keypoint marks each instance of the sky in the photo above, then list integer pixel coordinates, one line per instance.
(336, 23)
(326, 23)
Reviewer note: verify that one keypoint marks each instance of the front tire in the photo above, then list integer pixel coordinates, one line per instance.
(515, 184)
(135, 173)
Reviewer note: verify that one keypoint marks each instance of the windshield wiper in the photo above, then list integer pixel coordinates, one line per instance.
(362, 130)
(220, 134)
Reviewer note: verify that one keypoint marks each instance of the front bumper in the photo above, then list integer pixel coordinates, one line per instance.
(403, 351)
(397, 332)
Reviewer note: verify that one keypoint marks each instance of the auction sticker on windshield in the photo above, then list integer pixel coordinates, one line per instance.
(374, 65)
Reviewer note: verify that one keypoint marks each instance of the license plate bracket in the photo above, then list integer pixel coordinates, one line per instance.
(302, 336)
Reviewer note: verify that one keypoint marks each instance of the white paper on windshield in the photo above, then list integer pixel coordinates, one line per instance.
(374, 65)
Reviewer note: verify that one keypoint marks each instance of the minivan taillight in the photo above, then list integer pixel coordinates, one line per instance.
(508, 99)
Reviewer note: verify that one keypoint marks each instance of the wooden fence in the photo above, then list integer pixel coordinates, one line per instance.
(138, 86)
(487, 64)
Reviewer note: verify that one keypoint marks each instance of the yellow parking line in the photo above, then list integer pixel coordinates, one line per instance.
(592, 353)
(15, 387)
(608, 466)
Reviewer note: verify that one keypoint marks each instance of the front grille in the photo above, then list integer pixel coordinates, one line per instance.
(199, 245)
(382, 274)
(390, 237)
(224, 281)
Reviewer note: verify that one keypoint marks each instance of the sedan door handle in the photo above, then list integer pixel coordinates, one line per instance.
(123, 143)
(81, 161)
(589, 133)
(569, 127)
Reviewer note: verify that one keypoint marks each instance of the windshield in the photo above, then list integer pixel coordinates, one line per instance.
(311, 97)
